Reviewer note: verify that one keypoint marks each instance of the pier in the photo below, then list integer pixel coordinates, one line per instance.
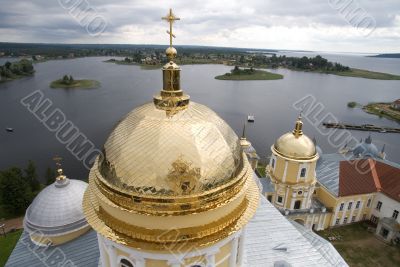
(363, 127)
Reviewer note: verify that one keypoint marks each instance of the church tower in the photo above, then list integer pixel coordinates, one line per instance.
(173, 186)
(292, 169)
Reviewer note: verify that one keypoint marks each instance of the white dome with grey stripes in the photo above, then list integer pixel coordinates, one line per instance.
(57, 210)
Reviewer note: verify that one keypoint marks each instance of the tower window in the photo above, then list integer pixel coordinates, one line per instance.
(379, 205)
(126, 263)
(273, 163)
(395, 214)
(280, 199)
(358, 204)
(303, 172)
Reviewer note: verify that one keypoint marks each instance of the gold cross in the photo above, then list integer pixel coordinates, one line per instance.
(170, 17)
(58, 160)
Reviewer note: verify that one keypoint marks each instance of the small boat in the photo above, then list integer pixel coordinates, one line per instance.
(250, 118)
(382, 131)
(10, 130)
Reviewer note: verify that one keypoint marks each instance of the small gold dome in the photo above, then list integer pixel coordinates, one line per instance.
(149, 153)
(295, 145)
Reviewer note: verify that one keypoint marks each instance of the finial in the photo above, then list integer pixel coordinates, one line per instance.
(368, 140)
(383, 148)
(171, 98)
(298, 127)
(314, 140)
(60, 175)
(244, 130)
(170, 18)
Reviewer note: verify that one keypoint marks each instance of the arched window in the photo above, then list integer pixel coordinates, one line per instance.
(126, 263)
(303, 172)
(273, 163)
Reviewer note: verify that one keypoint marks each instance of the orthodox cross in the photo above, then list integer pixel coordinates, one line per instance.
(170, 17)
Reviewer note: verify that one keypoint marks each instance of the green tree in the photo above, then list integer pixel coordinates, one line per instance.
(50, 176)
(15, 193)
(71, 79)
(8, 65)
(31, 176)
(65, 79)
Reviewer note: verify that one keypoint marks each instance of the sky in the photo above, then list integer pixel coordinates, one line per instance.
(365, 26)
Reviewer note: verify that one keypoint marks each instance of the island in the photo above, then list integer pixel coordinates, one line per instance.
(394, 55)
(387, 110)
(70, 82)
(238, 74)
(16, 70)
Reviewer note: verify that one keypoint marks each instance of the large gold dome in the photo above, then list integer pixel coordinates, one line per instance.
(295, 145)
(148, 149)
(172, 174)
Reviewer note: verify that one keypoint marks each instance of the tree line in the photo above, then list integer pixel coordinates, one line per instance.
(18, 187)
(13, 70)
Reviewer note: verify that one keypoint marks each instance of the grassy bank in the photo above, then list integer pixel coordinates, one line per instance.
(77, 84)
(361, 248)
(7, 245)
(255, 75)
(366, 74)
(383, 110)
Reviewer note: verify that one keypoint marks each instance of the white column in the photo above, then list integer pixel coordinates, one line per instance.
(210, 260)
(174, 263)
(284, 172)
(241, 247)
(112, 256)
(234, 247)
(103, 259)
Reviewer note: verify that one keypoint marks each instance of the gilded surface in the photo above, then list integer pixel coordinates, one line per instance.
(118, 231)
(141, 150)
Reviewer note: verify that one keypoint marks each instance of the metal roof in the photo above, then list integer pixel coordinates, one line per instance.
(270, 237)
(82, 251)
(57, 209)
(328, 172)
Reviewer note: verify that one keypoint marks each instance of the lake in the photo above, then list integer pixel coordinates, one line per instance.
(123, 88)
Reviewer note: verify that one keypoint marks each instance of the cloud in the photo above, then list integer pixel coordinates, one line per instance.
(286, 24)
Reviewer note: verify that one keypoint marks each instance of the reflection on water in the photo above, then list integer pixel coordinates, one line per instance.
(123, 88)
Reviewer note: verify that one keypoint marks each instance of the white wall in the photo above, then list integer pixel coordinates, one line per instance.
(388, 206)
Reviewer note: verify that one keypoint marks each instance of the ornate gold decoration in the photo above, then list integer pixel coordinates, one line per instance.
(298, 127)
(139, 152)
(60, 176)
(171, 18)
(176, 239)
(168, 161)
(183, 178)
(171, 98)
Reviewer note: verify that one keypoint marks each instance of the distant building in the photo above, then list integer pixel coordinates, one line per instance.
(328, 190)
(396, 104)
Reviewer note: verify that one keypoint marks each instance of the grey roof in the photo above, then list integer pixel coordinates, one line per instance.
(271, 238)
(82, 251)
(57, 209)
(267, 186)
(328, 172)
(322, 245)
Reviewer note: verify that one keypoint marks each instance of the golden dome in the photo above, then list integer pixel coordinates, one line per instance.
(172, 174)
(148, 149)
(295, 145)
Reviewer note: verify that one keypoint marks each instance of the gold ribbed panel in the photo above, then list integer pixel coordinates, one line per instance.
(179, 239)
(151, 153)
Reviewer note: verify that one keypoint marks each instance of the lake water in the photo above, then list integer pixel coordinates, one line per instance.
(123, 88)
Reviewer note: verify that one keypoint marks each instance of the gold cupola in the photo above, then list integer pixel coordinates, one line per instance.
(171, 98)
(295, 145)
(172, 174)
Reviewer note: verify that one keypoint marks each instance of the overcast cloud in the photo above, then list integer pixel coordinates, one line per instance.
(285, 24)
